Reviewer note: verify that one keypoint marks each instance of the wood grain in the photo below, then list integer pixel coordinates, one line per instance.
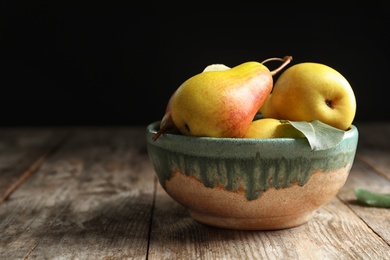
(91, 199)
(331, 234)
(374, 146)
(96, 196)
(22, 151)
(377, 218)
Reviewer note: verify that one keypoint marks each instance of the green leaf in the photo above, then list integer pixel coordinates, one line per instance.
(373, 199)
(321, 136)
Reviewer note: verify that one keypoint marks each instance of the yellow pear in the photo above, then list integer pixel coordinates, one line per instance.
(220, 101)
(312, 91)
(272, 128)
(266, 108)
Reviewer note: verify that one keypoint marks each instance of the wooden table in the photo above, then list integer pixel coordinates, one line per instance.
(91, 193)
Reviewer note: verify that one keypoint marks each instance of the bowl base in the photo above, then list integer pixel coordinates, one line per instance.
(268, 223)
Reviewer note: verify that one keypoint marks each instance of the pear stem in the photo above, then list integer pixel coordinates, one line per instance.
(286, 60)
(165, 125)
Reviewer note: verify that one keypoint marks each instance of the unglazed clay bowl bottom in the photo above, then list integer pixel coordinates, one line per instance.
(250, 184)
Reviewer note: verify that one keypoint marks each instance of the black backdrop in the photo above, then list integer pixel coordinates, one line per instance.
(117, 64)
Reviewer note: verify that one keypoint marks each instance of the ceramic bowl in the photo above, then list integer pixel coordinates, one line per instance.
(249, 184)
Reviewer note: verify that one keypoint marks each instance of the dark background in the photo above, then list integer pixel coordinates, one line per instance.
(117, 64)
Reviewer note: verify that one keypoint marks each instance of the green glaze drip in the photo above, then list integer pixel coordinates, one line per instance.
(254, 175)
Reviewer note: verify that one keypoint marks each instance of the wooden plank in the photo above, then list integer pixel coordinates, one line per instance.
(377, 218)
(374, 146)
(334, 232)
(91, 200)
(22, 151)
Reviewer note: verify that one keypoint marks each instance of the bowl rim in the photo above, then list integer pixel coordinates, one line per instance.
(154, 126)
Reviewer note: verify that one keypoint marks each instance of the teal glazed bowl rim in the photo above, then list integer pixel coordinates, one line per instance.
(167, 151)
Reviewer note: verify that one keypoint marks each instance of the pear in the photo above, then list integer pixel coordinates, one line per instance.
(267, 110)
(220, 101)
(167, 122)
(272, 128)
(312, 91)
